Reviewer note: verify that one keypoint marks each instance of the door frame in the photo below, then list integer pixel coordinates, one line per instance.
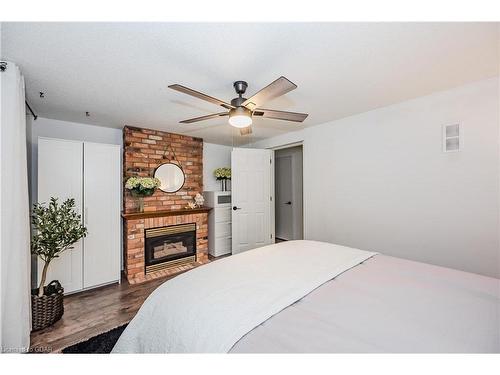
(273, 187)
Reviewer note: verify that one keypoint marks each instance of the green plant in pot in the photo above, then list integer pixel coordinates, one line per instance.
(223, 174)
(56, 227)
(141, 187)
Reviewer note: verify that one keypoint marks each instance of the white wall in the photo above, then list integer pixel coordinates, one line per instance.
(380, 181)
(214, 156)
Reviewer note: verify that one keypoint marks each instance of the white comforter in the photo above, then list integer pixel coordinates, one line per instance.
(211, 307)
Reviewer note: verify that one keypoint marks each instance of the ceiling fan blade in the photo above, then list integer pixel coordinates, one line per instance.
(200, 95)
(246, 131)
(277, 88)
(280, 115)
(207, 117)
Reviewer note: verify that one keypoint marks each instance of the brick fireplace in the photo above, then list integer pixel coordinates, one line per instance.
(144, 150)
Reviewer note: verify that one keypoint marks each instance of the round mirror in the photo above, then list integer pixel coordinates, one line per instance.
(171, 177)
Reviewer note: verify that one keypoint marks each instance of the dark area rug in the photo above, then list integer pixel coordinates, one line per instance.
(99, 344)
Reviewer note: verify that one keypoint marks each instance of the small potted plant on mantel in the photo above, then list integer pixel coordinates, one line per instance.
(141, 187)
(56, 228)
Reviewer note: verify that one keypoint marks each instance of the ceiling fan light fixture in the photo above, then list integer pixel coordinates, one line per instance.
(240, 110)
(240, 121)
(240, 117)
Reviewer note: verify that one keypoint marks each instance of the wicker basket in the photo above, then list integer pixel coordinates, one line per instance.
(47, 309)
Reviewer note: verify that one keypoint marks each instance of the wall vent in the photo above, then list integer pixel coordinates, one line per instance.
(452, 138)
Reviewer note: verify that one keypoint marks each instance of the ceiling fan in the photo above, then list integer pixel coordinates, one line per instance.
(241, 110)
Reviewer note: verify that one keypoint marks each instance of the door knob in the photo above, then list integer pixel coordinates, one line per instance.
(236, 208)
(288, 202)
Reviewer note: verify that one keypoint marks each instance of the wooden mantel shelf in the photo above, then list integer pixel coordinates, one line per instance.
(146, 215)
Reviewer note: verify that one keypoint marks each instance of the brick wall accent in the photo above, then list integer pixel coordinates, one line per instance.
(145, 149)
(134, 244)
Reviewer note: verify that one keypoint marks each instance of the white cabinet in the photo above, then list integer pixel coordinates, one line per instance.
(219, 222)
(101, 197)
(60, 165)
(89, 173)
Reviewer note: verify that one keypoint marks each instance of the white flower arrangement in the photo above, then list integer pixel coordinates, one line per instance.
(142, 186)
(222, 173)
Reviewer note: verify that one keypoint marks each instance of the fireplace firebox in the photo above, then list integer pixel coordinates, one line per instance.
(169, 246)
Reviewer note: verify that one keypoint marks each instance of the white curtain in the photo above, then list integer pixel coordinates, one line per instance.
(15, 311)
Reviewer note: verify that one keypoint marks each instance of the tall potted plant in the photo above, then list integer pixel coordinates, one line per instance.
(56, 228)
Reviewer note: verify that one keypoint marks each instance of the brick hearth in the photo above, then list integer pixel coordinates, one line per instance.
(144, 150)
(134, 242)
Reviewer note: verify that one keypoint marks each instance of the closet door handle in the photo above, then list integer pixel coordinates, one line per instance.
(236, 208)
(288, 202)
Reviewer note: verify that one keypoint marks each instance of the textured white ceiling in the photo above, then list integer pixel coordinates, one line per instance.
(119, 72)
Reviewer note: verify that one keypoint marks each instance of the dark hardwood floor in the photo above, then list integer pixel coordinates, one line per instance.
(92, 312)
(89, 313)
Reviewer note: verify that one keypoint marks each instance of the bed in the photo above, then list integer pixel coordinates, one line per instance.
(309, 296)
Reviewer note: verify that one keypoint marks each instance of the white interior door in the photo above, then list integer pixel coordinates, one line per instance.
(284, 197)
(251, 198)
(102, 191)
(60, 164)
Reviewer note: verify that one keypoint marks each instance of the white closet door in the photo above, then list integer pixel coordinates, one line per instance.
(102, 191)
(60, 164)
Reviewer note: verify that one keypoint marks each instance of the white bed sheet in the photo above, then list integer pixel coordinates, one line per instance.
(208, 309)
(390, 305)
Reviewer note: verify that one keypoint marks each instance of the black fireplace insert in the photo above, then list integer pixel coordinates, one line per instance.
(169, 246)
